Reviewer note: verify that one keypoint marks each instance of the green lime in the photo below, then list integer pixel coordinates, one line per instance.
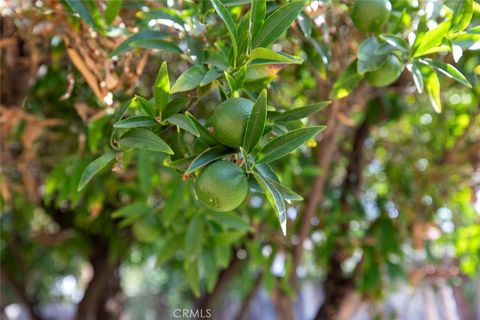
(230, 119)
(387, 74)
(222, 186)
(371, 15)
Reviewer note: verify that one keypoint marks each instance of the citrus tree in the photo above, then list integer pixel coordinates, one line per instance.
(243, 145)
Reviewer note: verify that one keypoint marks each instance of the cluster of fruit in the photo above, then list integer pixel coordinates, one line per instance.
(371, 16)
(222, 185)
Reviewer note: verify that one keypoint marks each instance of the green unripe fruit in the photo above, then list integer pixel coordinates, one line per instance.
(371, 15)
(222, 186)
(146, 230)
(387, 74)
(230, 119)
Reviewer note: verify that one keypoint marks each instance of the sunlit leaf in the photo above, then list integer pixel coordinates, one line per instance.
(256, 122)
(302, 112)
(136, 122)
(189, 80)
(95, 167)
(145, 140)
(207, 157)
(161, 90)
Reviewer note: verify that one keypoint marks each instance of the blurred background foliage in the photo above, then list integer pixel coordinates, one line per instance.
(391, 187)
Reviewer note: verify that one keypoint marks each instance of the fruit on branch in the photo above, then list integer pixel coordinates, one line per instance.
(387, 73)
(221, 186)
(371, 15)
(230, 119)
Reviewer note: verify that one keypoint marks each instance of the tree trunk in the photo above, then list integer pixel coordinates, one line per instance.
(102, 299)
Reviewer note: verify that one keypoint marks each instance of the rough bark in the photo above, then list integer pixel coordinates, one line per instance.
(225, 277)
(247, 301)
(103, 289)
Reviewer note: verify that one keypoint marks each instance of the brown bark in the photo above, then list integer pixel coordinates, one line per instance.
(30, 304)
(247, 301)
(224, 278)
(103, 287)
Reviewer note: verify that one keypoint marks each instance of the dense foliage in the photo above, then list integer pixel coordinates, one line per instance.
(131, 135)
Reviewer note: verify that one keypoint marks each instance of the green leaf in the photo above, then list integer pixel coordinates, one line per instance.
(161, 90)
(277, 23)
(173, 204)
(300, 113)
(180, 164)
(136, 122)
(168, 248)
(136, 209)
(417, 76)
(205, 135)
(346, 82)
(232, 84)
(88, 12)
(145, 140)
(156, 44)
(305, 24)
(189, 80)
(286, 143)
(431, 39)
(163, 14)
(432, 86)
(448, 70)
(195, 237)
(144, 34)
(322, 49)
(192, 274)
(208, 156)
(112, 10)
(256, 122)
(395, 42)
(228, 20)
(210, 76)
(257, 16)
(174, 106)
(95, 167)
(286, 193)
(275, 199)
(368, 59)
(229, 220)
(210, 269)
(183, 122)
(268, 56)
(462, 14)
(227, 238)
(143, 103)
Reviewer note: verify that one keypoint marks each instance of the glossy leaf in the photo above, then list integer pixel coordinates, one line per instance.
(275, 199)
(189, 80)
(305, 24)
(286, 193)
(432, 39)
(174, 106)
(300, 113)
(158, 44)
(112, 10)
(268, 56)
(136, 122)
(286, 143)
(277, 23)
(207, 157)
(144, 34)
(257, 16)
(144, 104)
(161, 90)
(162, 14)
(229, 23)
(95, 167)
(432, 86)
(210, 76)
(88, 12)
(346, 82)
(183, 122)
(145, 140)
(448, 70)
(395, 42)
(417, 77)
(205, 135)
(256, 122)
(462, 14)
(367, 57)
